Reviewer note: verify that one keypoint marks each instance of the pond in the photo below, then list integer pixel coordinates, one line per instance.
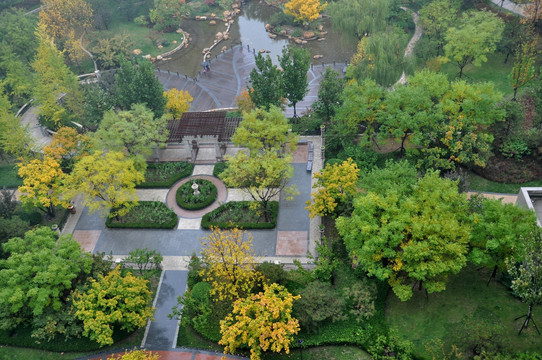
(249, 29)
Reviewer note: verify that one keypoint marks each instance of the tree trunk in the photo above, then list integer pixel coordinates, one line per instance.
(507, 56)
(51, 212)
(403, 139)
(515, 92)
(266, 211)
(493, 274)
(461, 71)
(528, 318)
(295, 114)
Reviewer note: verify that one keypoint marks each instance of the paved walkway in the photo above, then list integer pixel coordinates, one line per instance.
(511, 6)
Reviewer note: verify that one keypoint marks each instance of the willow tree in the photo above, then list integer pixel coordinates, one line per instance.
(360, 17)
(524, 65)
(379, 57)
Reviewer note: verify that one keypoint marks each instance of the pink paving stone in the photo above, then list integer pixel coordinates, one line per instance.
(87, 238)
(292, 243)
(301, 154)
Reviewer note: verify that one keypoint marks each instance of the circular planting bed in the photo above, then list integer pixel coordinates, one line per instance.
(187, 200)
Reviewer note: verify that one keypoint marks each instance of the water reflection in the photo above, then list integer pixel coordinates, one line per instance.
(249, 28)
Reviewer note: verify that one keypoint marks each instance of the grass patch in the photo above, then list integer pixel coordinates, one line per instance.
(239, 214)
(436, 317)
(146, 215)
(165, 174)
(322, 352)
(15, 353)
(478, 183)
(9, 177)
(494, 70)
(187, 200)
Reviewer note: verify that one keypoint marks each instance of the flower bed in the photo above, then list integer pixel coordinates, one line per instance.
(239, 214)
(146, 215)
(165, 174)
(187, 200)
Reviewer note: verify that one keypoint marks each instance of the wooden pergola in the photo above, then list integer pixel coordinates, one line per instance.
(194, 125)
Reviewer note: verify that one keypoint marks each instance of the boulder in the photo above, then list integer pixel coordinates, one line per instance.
(224, 48)
(298, 41)
(213, 15)
(174, 42)
(227, 13)
(308, 34)
(178, 31)
(321, 39)
(148, 56)
(159, 57)
(219, 35)
(262, 51)
(198, 17)
(320, 27)
(137, 52)
(237, 11)
(303, 41)
(272, 36)
(267, 27)
(212, 22)
(160, 46)
(317, 56)
(284, 32)
(226, 36)
(204, 18)
(153, 59)
(235, 6)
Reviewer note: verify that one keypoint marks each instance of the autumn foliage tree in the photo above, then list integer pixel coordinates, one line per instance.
(335, 184)
(230, 263)
(524, 65)
(305, 11)
(178, 102)
(107, 182)
(66, 21)
(111, 301)
(262, 322)
(42, 184)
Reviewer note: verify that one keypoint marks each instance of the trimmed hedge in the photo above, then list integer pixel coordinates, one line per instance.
(238, 214)
(219, 168)
(146, 215)
(21, 337)
(187, 200)
(165, 174)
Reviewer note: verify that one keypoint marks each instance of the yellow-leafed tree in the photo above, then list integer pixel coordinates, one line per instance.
(230, 263)
(262, 322)
(115, 300)
(67, 143)
(107, 181)
(66, 21)
(178, 102)
(139, 355)
(334, 185)
(42, 182)
(304, 10)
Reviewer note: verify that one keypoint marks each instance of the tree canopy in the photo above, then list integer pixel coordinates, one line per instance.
(295, 63)
(266, 88)
(38, 274)
(305, 11)
(262, 322)
(417, 234)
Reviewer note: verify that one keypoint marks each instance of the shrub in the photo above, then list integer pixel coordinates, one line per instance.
(239, 214)
(360, 300)
(8, 203)
(516, 148)
(32, 216)
(297, 32)
(165, 174)
(187, 200)
(146, 215)
(319, 304)
(274, 273)
(141, 20)
(219, 168)
(391, 347)
(194, 271)
(145, 260)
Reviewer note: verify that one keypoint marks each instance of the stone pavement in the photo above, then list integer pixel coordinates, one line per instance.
(511, 6)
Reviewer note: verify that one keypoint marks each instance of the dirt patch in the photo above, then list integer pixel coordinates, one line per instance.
(504, 170)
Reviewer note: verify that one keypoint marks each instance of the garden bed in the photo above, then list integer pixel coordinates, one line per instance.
(238, 214)
(508, 170)
(146, 215)
(187, 200)
(165, 174)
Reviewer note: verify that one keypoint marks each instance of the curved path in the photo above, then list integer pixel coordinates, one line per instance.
(517, 9)
(418, 32)
(222, 194)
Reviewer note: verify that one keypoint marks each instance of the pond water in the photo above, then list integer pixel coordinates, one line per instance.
(249, 29)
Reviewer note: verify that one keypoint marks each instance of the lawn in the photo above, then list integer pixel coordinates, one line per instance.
(14, 353)
(9, 177)
(494, 70)
(466, 296)
(121, 23)
(478, 183)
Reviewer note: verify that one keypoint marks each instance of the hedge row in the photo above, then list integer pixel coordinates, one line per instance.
(186, 200)
(167, 183)
(234, 213)
(146, 215)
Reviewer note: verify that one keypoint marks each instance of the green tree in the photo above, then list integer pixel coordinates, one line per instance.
(360, 17)
(108, 51)
(136, 131)
(15, 139)
(436, 17)
(144, 260)
(38, 274)
(523, 71)
(17, 33)
(266, 84)
(496, 231)
(262, 322)
(53, 79)
(295, 63)
(137, 84)
(483, 30)
(410, 237)
(167, 14)
(264, 170)
(107, 182)
(113, 301)
(329, 95)
(527, 275)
